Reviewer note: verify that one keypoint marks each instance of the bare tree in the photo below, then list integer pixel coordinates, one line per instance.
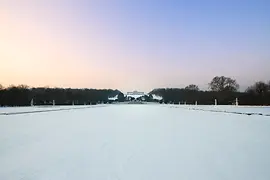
(192, 87)
(260, 88)
(222, 83)
(23, 86)
(1, 87)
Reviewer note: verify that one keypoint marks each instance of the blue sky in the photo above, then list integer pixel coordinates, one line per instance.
(135, 44)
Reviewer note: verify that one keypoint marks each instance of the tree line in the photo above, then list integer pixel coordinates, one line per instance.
(22, 95)
(224, 89)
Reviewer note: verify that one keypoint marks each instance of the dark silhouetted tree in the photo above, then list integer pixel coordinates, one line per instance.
(121, 97)
(259, 93)
(22, 95)
(259, 88)
(192, 87)
(222, 83)
(150, 97)
(1, 94)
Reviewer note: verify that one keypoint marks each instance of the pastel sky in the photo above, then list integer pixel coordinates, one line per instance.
(133, 44)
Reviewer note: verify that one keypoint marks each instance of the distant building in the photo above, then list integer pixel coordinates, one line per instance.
(134, 95)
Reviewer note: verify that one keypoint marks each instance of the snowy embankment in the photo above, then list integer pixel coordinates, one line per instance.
(38, 109)
(245, 110)
(131, 142)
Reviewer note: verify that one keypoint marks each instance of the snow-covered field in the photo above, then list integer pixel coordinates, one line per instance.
(134, 142)
(28, 109)
(250, 110)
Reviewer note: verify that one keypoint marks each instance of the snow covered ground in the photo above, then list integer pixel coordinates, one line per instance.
(28, 109)
(134, 142)
(251, 110)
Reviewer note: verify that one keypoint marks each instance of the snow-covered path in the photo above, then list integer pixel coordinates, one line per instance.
(134, 142)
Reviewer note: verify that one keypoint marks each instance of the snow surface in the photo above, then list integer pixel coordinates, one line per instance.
(10, 110)
(134, 142)
(113, 98)
(157, 97)
(263, 110)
